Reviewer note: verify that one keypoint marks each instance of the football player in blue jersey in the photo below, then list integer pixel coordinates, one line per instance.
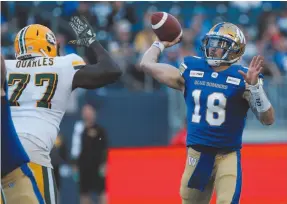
(17, 180)
(218, 94)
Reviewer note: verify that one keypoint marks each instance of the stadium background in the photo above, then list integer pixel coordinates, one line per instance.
(142, 116)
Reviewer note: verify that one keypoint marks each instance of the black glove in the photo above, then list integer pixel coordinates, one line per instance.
(83, 30)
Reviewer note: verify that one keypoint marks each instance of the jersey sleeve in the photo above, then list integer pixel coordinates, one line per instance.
(183, 69)
(77, 61)
(188, 64)
(73, 63)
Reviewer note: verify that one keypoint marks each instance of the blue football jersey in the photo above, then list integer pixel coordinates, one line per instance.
(13, 154)
(216, 109)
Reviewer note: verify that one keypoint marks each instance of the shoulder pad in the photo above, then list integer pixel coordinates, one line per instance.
(75, 59)
(193, 61)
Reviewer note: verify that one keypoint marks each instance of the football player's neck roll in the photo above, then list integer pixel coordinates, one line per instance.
(223, 45)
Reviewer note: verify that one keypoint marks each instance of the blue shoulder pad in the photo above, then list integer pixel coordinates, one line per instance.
(194, 61)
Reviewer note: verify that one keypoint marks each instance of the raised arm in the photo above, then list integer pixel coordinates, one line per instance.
(163, 73)
(266, 117)
(104, 72)
(255, 94)
(92, 76)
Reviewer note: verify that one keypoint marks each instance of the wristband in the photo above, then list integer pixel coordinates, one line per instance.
(159, 45)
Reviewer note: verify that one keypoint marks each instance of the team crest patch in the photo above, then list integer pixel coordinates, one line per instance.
(51, 38)
(11, 185)
(197, 74)
(232, 80)
(192, 161)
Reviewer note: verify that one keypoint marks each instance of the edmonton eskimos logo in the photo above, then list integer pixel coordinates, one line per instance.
(51, 38)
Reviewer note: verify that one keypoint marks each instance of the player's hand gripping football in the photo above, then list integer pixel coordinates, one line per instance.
(83, 30)
(255, 67)
(174, 42)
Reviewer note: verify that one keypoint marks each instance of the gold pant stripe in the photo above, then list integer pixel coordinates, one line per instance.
(45, 182)
(38, 174)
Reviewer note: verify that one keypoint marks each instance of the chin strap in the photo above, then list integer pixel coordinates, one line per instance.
(44, 53)
(212, 62)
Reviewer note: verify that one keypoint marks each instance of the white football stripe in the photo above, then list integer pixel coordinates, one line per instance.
(51, 186)
(161, 22)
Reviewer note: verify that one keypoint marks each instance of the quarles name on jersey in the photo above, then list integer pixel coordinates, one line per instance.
(35, 62)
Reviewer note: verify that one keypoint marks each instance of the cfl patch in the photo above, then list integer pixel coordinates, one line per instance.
(214, 75)
(191, 161)
(232, 80)
(197, 74)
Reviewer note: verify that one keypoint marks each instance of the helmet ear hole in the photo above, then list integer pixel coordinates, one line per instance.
(48, 48)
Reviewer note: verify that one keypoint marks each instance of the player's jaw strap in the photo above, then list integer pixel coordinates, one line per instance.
(202, 172)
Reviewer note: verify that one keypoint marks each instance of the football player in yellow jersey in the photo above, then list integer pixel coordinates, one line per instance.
(39, 87)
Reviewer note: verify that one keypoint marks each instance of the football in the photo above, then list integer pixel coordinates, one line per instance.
(165, 26)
